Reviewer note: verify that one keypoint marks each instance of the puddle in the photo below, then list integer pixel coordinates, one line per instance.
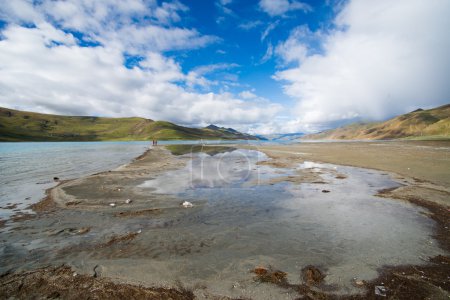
(346, 230)
(228, 169)
(189, 149)
(240, 221)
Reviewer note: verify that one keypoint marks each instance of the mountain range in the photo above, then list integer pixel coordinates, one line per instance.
(417, 125)
(16, 126)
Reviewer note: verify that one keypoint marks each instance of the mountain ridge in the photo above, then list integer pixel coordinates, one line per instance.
(419, 124)
(17, 126)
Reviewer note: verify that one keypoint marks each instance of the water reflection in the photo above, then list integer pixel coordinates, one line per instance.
(347, 230)
(228, 168)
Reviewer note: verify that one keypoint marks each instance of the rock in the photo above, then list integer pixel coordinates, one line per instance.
(260, 271)
(380, 291)
(325, 191)
(98, 271)
(56, 179)
(128, 201)
(271, 276)
(312, 275)
(112, 204)
(83, 230)
(187, 204)
(358, 282)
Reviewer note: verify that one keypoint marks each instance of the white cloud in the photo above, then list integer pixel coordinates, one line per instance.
(156, 38)
(280, 7)
(298, 46)
(46, 69)
(225, 2)
(65, 78)
(385, 58)
(169, 12)
(268, 55)
(19, 10)
(268, 30)
(113, 22)
(248, 25)
(224, 10)
(247, 95)
(202, 70)
(196, 76)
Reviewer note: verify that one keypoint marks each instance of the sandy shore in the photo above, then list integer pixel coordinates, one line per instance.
(424, 160)
(422, 166)
(99, 202)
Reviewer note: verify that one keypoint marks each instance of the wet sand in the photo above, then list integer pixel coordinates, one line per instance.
(423, 160)
(104, 198)
(422, 166)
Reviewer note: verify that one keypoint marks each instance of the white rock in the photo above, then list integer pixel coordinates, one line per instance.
(128, 201)
(112, 204)
(187, 204)
(139, 231)
(380, 291)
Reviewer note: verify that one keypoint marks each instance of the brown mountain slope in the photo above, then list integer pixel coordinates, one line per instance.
(419, 124)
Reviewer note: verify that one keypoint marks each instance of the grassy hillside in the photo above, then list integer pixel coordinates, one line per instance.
(28, 126)
(419, 124)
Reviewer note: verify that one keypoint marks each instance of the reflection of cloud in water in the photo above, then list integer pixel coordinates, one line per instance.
(204, 171)
(349, 232)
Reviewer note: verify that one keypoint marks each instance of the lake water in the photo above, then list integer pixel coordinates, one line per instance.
(27, 169)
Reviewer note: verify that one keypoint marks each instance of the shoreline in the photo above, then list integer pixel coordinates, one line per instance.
(410, 276)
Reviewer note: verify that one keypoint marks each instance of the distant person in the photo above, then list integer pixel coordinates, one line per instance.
(153, 142)
(156, 142)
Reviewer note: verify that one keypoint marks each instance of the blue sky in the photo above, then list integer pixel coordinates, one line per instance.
(240, 25)
(260, 66)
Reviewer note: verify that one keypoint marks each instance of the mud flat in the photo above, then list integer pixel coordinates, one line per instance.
(277, 225)
(423, 160)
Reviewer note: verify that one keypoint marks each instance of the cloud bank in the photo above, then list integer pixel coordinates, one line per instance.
(69, 57)
(383, 58)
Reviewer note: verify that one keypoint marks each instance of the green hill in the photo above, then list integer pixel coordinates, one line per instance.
(18, 126)
(418, 125)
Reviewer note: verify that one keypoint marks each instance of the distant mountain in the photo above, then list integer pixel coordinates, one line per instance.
(28, 126)
(281, 136)
(231, 132)
(419, 124)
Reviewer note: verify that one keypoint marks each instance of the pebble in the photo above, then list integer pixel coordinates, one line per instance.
(380, 291)
(187, 204)
(128, 201)
(112, 204)
(359, 282)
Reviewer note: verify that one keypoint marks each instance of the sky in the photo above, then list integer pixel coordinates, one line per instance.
(260, 66)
